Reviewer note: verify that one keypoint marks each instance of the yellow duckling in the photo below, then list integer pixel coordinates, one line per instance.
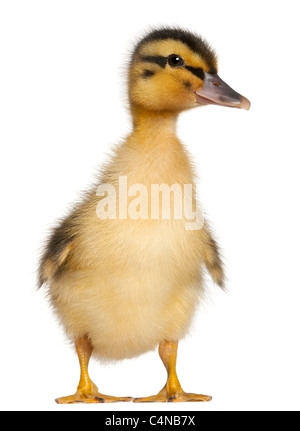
(123, 273)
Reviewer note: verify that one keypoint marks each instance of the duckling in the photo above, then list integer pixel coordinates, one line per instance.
(124, 278)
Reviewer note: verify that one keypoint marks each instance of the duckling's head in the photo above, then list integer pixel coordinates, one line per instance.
(173, 69)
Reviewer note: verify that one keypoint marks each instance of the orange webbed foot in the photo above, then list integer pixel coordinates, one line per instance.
(90, 394)
(173, 396)
(90, 398)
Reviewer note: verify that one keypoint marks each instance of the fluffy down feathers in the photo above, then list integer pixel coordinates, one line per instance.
(130, 284)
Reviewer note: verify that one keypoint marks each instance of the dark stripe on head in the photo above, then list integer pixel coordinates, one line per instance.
(194, 42)
(161, 61)
(196, 71)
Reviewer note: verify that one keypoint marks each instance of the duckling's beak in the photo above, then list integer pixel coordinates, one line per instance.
(215, 91)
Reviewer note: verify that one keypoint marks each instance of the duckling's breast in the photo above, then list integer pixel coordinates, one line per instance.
(138, 281)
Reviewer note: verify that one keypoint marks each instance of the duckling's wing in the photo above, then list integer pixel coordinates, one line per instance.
(212, 257)
(57, 249)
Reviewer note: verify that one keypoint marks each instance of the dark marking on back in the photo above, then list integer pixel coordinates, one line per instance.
(147, 73)
(61, 236)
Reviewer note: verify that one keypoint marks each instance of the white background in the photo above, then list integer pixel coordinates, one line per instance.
(63, 105)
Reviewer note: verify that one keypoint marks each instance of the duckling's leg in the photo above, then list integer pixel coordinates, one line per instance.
(172, 391)
(87, 391)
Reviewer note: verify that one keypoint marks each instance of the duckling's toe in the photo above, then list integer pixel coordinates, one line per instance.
(78, 398)
(110, 399)
(189, 397)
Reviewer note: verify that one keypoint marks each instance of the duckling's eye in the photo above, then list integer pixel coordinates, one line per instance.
(175, 61)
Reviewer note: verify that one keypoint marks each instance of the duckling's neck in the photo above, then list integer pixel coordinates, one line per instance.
(157, 151)
(150, 127)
